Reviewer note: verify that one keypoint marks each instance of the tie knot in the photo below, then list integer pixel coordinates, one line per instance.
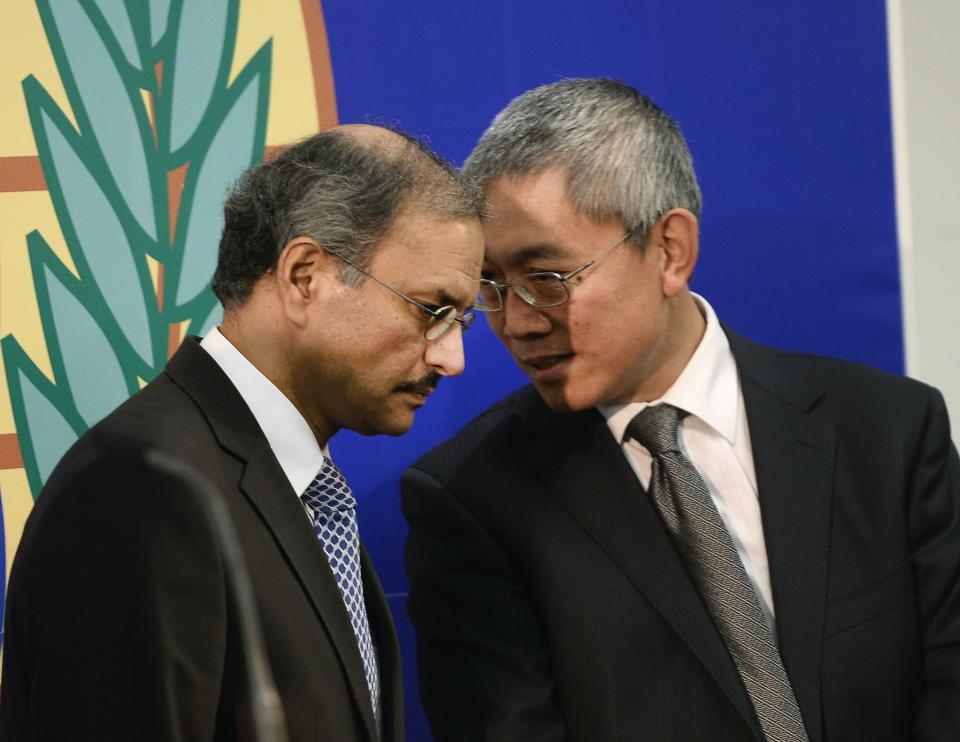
(329, 492)
(655, 428)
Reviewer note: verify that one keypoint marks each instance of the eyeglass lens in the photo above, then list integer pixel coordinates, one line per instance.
(442, 322)
(538, 289)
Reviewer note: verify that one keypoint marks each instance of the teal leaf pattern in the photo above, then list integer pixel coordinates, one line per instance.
(108, 180)
(118, 19)
(159, 16)
(98, 242)
(205, 324)
(236, 144)
(205, 40)
(46, 425)
(108, 108)
(45, 429)
(81, 354)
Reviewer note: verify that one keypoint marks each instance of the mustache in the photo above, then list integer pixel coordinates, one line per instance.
(424, 385)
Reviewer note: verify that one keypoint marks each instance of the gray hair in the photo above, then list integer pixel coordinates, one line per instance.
(624, 157)
(342, 190)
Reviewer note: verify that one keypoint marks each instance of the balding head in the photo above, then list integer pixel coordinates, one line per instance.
(343, 188)
(380, 136)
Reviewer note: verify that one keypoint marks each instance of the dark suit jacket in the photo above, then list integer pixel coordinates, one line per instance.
(551, 604)
(118, 625)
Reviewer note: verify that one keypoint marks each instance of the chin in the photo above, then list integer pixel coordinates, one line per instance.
(395, 425)
(560, 399)
(396, 430)
(392, 426)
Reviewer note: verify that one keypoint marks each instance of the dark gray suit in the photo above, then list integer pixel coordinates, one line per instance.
(117, 624)
(551, 604)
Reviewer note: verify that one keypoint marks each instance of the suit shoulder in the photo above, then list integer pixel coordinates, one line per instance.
(857, 378)
(769, 366)
(491, 430)
(855, 396)
(153, 417)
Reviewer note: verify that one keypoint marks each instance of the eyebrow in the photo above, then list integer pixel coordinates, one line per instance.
(446, 298)
(442, 298)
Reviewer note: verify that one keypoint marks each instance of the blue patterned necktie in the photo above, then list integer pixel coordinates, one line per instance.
(702, 538)
(334, 511)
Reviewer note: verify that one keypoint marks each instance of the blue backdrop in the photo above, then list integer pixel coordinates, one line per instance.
(786, 108)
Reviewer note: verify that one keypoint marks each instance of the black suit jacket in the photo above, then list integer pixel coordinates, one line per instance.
(551, 604)
(118, 625)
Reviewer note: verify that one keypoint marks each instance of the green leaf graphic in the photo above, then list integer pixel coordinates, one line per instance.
(84, 362)
(159, 16)
(108, 181)
(107, 105)
(205, 33)
(115, 14)
(46, 424)
(99, 244)
(236, 144)
(205, 324)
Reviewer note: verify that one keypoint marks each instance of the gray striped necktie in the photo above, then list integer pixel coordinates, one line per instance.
(711, 558)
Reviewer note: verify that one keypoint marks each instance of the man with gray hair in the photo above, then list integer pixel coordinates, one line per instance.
(346, 267)
(674, 533)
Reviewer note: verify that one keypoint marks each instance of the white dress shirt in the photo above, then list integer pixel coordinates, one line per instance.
(288, 434)
(716, 440)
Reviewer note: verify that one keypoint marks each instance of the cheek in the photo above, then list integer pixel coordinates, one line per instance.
(589, 319)
(495, 321)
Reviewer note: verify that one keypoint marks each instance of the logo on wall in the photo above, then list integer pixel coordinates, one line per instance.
(130, 122)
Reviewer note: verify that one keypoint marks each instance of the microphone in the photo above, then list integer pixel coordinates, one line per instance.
(266, 711)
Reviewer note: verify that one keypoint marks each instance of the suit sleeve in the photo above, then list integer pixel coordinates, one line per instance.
(116, 620)
(934, 518)
(483, 661)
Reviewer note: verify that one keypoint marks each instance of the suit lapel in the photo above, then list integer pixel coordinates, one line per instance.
(577, 459)
(793, 455)
(388, 651)
(268, 490)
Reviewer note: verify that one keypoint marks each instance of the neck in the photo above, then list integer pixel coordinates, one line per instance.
(262, 343)
(686, 325)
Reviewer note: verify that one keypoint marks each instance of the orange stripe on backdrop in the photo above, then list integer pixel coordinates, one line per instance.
(10, 456)
(21, 174)
(18, 174)
(320, 62)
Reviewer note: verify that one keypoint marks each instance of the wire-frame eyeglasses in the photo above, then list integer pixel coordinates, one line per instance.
(440, 319)
(540, 289)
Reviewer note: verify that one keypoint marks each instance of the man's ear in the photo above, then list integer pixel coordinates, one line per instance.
(679, 237)
(303, 275)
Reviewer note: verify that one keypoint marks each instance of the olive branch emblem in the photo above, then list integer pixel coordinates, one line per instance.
(137, 187)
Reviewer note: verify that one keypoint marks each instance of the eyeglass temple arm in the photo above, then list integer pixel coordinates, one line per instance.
(432, 312)
(577, 271)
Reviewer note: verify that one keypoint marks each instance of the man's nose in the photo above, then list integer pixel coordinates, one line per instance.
(518, 319)
(445, 354)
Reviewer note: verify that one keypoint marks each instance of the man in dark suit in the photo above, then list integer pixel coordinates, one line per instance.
(674, 534)
(345, 267)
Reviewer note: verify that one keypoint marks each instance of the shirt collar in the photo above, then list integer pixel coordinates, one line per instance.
(288, 434)
(706, 388)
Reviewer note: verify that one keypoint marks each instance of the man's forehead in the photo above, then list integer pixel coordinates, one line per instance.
(532, 218)
(519, 254)
(444, 253)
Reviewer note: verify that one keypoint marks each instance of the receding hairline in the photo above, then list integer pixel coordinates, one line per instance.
(382, 138)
